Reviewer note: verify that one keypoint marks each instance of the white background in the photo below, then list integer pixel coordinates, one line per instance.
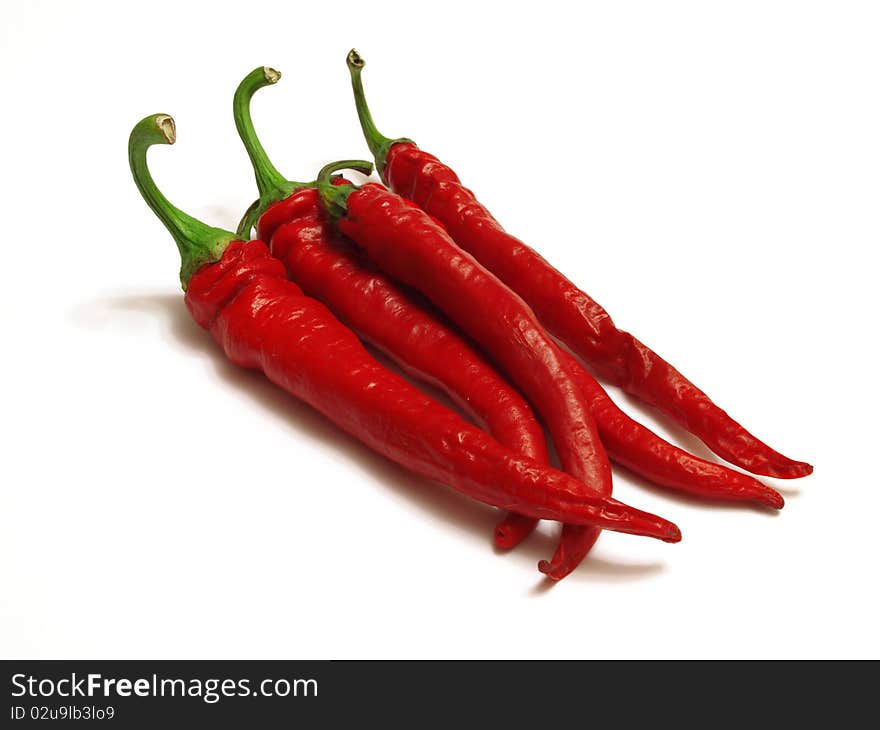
(710, 172)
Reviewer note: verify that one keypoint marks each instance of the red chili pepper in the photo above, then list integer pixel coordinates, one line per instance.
(409, 245)
(330, 269)
(241, 294)
(568, 312)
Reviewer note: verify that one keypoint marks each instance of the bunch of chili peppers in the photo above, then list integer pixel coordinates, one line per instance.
(421, 271)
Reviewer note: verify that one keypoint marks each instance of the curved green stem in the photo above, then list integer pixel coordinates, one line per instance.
(334, 198)
(197, 242)
(378, 143)
(270, 182)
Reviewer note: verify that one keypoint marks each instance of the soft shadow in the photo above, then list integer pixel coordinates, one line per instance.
(541, 545)
(597, 570)
(783, 486)
(464, 514)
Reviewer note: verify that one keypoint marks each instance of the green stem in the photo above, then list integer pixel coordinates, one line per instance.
(334, 198)
(378, 143)
(271, 183)
(198, 243)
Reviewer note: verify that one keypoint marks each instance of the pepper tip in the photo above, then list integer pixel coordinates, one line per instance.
(784, 468)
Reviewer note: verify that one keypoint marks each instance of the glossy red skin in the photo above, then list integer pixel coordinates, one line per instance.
(265, 322)
(636, 447)
(332, 271)
(573, 316)
(415, 249)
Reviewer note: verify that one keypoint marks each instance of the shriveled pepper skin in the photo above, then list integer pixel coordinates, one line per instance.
(636, 447)
(573, 316)
(413, 248)
(265, 322)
